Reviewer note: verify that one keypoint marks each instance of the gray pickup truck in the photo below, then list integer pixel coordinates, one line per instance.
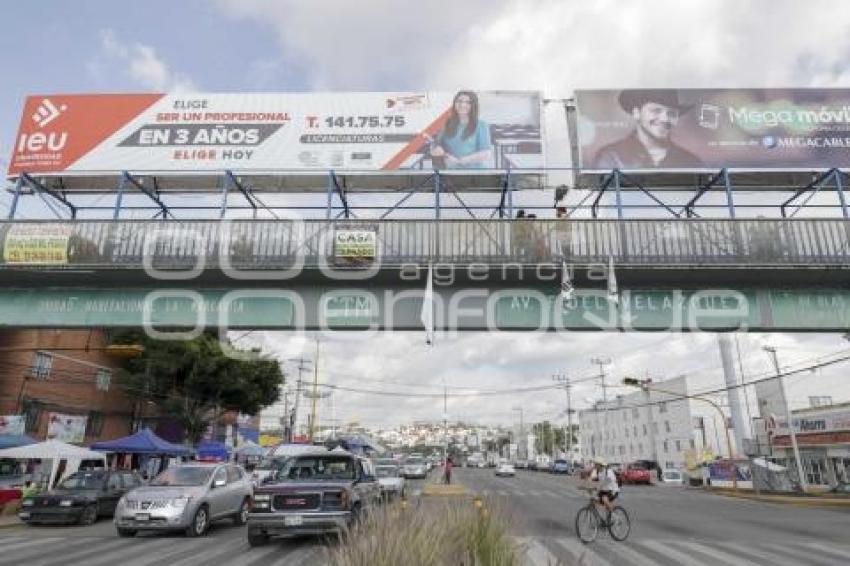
(318, 492)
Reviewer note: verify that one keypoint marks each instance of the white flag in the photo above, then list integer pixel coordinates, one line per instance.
(566, 285)
(613, 294)
(427, 316)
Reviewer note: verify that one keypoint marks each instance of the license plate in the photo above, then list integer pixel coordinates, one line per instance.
(293, 521)
(143, 516)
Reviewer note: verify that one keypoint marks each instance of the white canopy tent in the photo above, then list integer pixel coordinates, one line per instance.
(55, 451)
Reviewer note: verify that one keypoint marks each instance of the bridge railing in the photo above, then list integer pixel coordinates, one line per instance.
(280, 243)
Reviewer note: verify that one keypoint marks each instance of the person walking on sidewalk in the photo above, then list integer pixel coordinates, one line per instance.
(447, 472)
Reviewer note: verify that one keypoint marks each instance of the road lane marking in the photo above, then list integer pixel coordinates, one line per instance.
(664, 549)
(92, 553)
(581, 553)
(536, 554)
(771, 558)
(29, 542)
(626, 554)
(842, 555)
(808, 556)
(716, 554)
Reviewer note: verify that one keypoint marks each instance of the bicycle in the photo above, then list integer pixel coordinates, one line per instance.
(588, 521)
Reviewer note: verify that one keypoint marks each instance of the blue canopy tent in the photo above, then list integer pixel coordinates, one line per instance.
(359, 445)
(212, 451)
(14, 440)
(143, 442)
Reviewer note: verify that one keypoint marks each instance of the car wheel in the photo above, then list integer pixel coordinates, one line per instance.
(126, 532)
(257, 538)
(241, 516)
(200, 523)
(89, 515)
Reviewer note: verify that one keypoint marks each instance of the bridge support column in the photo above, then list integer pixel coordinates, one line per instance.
(224, 191)
(119, 198)
(839, 188)
(437, 183)
(19, 184)
(618, 194)
(727, 185)
(329, 211)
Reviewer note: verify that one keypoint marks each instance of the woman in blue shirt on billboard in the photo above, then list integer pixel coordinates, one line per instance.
(464, 142)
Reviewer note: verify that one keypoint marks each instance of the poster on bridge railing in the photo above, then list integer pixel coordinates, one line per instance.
(657, 129)
(472, 131)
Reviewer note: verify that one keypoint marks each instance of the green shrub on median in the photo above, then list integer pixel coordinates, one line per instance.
(434, 533)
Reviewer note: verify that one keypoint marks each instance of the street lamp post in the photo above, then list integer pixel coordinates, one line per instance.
(564, 380)
(521, 427)
(772, 350)
(644, 384)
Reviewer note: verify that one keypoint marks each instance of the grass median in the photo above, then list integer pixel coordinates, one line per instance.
(436, 532)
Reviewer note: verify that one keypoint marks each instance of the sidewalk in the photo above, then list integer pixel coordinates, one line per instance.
(8, 521)
(799, 500)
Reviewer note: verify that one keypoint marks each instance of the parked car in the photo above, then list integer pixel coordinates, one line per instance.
(186, 497)
(505, 470)
(390, 478)
(635, 473)
(842, 488)
(520, 464)
(81, 498)
(317, 493)
(672, 477)
(415, 468)
(561, 467)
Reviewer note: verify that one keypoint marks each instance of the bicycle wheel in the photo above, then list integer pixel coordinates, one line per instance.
(620, 526)
(587, 525)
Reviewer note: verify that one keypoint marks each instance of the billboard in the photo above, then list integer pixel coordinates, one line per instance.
(712, 128)
(66, 428)
(102, 133)
(12, 424)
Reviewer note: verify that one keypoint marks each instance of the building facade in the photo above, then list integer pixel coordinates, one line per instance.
(653, 425)
(823, 439)
(63, 383)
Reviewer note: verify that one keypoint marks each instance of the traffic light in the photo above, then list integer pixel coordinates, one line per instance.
(631, 381)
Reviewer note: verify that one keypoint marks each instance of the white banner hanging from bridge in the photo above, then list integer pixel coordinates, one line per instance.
(262, 132)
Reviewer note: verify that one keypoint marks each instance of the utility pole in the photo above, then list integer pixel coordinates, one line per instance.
(314, 412)
(303, 364)
(521, 432)
(445, 423)
(602, 362)
(772, 350)
(565, 382)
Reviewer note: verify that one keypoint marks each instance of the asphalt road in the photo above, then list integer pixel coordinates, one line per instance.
(670, 525)
(99, 545)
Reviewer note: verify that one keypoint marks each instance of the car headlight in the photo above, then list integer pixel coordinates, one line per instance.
(66, 503)
(27, 503)
(180, 502)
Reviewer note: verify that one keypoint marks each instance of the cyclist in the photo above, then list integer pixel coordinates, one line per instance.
(608, 487)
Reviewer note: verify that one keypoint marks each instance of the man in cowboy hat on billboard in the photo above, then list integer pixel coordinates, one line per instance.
(648, 146)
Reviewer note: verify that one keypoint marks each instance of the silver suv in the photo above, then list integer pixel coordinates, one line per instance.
(186, 497)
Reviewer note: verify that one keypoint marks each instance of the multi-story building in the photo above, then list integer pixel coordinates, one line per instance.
(651, 425)
(63, 376)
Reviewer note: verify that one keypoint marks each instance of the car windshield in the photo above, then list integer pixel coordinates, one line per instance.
(82, 481)
(387, 471)
(316, 469)
(414, 461)
(560, 461)
(270, 464)
(184, 475)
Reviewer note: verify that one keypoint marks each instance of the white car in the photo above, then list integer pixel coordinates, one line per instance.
(505, 470)
(391, 480)
(672, 477)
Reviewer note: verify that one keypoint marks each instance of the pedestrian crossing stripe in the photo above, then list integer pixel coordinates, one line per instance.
(551, 551)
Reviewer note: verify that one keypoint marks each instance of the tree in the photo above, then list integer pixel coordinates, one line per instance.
(194, 381)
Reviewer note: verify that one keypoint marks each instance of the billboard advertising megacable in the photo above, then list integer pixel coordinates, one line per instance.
(646, 129)
(102, 133)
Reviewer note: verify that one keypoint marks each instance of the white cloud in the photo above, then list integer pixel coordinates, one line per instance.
(139, 62)
(558, 45)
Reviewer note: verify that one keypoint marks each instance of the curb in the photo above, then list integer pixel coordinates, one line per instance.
(799, 501)
(438, 490)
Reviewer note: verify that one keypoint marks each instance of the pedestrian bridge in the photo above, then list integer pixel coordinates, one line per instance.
(789, 274)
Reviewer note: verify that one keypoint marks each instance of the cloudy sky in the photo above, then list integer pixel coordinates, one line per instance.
(554, 46)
